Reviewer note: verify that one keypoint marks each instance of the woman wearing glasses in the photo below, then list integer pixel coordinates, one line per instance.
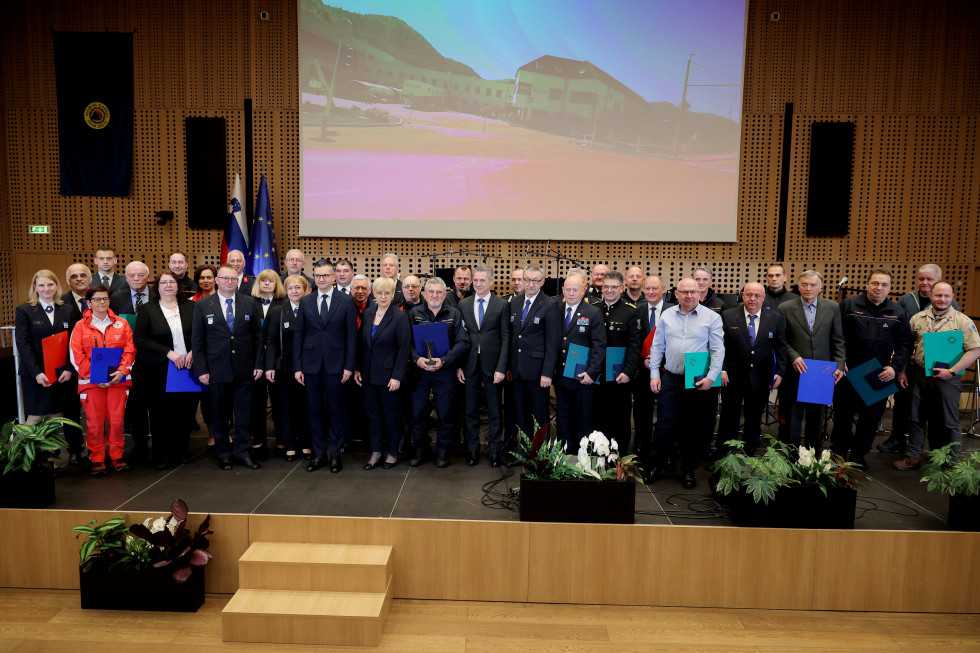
(163, 336)
(103, 400)
(385, 342)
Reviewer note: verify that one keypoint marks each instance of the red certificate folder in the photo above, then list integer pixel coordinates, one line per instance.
(54, 349)
(647, 343)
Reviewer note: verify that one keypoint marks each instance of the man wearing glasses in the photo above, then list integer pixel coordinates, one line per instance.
(535, 342)
(228, 357)
(325, 345)
(294, 265)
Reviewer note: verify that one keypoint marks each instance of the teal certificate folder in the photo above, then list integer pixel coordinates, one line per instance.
(696, 365)
(576, 361)
(614, 362)
(858, 377)
(943, 347)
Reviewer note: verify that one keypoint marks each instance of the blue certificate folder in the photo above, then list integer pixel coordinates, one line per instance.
(944, 348)
(105, 360)
(869, 394)
(435, 332)
(576, 361)
(182, 380)
(696, 365)
(817, 383)
(614, 362)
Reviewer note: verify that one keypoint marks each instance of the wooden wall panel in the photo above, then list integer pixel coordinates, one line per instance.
(908, 74)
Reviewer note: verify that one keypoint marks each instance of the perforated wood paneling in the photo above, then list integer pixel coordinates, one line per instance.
(908, 75)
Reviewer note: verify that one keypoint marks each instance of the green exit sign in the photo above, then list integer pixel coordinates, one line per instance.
(38, 229)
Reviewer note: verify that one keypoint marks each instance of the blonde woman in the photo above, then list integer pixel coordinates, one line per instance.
(268, 292)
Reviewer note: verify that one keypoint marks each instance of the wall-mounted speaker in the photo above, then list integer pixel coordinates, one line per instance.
(207, 173)
(829, 191)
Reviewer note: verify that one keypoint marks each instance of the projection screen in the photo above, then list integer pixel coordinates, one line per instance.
(543, 119)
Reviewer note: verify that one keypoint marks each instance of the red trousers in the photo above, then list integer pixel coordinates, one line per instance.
(103, 404)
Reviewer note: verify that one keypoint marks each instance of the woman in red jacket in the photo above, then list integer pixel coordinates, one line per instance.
(99, 327)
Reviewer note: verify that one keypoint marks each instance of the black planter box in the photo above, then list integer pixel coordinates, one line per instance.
(32, 489)
(964, 513)
(796, 507)
(578, 501)
(146, 589)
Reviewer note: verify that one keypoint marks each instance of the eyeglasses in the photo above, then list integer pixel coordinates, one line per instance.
(227, 278)
(294, 260)
(606, 286)
(322, 276)
(170, 282)
(686, 292)
(530, 280)
(100, 300)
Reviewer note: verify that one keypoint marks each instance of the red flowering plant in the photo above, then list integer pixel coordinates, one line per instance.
(178, 547)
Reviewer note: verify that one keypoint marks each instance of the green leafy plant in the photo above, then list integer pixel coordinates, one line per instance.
(110, 546)
(178, 547)
(947, 472)
(780, 465)
(543, 458)
(24, 445)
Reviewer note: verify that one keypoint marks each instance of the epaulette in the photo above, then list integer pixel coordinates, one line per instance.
(630, 304)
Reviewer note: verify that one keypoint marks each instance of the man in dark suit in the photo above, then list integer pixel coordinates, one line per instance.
(582, 326)
(535, 341)
(228, 357)
(128, 301)
(650, 309)
(324, 353)
(236, 259)
(436, 374)
(294, 265)
(487, 321)
(105, 270)
(78, 277)
(814, 331)
(755, 362)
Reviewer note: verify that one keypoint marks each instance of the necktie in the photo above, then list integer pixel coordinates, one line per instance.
(568, 317)
(323, 307)
(49, 309)
(105, 281)
(84, 303)
(752, 329)
(344, 290)
(480, 312)
(139, 300)
(811, 315)
(527, 307)
(266, 302)
(653, 317)
(230, 312)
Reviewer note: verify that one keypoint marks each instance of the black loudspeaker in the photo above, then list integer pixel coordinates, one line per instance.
(829, 192)
(207, 173)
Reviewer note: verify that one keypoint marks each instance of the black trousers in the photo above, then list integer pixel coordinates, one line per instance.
(676, 401)
(615, 416)
(325, 397)
(791, 414)
(442, 385)
(137, 417)
(171, 414)
(848, 405)
(576, 413)
(227, 397)
(479, 387)
(738, 397)
(531, 405)
(383, 409)
(644, 401)
(290, 412)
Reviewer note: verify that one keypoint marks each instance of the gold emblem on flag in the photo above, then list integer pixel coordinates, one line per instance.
(96, 115)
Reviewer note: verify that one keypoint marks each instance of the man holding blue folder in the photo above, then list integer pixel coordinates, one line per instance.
(437, 370)
(683, 329)
(936, 391)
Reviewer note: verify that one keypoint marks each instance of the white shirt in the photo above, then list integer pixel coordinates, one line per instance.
(51, 314)
(574, 308)
(102, 325)
(319, 299)
(345, 289)
(476, 306)
(176, 329)
(224, 305)
(654, 312)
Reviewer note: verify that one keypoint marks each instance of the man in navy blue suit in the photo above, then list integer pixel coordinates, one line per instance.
(323, 355)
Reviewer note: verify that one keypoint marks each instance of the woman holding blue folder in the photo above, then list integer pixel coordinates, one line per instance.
(103, 382)
(163, 337)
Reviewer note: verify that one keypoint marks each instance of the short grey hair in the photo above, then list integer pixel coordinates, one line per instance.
(146, 267)
(932, 268)
(483, 267)
(810, 273)
(434, 281)
(360, 277)
(578, 272)
(701, 268)
(392, 256)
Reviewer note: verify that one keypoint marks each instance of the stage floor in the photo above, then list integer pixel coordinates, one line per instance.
(887, 500)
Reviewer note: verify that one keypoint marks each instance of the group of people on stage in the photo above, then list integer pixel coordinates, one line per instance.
(335, 353)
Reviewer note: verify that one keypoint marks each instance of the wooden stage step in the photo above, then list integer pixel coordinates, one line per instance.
(310, 594)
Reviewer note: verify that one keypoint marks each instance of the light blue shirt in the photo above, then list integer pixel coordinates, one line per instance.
(678, 334)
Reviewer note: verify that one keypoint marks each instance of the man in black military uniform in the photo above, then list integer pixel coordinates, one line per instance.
(581, 325)
(437, 374)
(623, 330)
(594, 291)
(874, 326)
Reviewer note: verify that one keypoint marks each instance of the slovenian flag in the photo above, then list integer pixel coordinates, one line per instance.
(236, 234)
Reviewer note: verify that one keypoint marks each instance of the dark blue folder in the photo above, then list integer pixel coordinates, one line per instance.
(105, 360)
(435, 332)
(817, 383)
(182, 380)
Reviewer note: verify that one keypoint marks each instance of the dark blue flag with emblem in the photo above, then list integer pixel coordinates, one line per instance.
(262, 242)
(94, 79)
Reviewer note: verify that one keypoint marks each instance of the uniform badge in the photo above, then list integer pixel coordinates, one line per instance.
(117, 325)
(210, 319)
(511, 318)
(582, 321)
(247, 316)
(285, 325)
(770, 335)
(581, 329)
(64, 325)
(537, 319)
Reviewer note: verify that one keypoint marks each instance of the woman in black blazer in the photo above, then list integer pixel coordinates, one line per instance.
(44, 315)
(384, 345)
(289, 411)
(163, 335)
(268, 292)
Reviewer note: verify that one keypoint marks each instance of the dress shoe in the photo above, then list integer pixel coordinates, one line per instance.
(892, 445)
(442, 461)
(654, 475)
(670, 466)
(248, 462)
(688, 482)
(420, 458)
(495, 460)
(472, 460)
(290, 456)
(224, 464)
(74, 459)
(260, 451)
(369, 466)
(336, 464)
(908, 462)
(315, 463)
(387, 465)
(308, 455)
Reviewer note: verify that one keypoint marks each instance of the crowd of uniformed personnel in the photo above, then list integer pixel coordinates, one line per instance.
(336, 357)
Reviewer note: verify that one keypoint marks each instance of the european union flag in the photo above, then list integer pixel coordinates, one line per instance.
(262, 253)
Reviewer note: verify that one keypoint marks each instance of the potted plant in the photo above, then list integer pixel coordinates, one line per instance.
(598, 488)
(786, 486)
(148, 566)
(959, 477)
(26, 475)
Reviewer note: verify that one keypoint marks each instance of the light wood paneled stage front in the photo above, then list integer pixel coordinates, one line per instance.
(693, 566)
